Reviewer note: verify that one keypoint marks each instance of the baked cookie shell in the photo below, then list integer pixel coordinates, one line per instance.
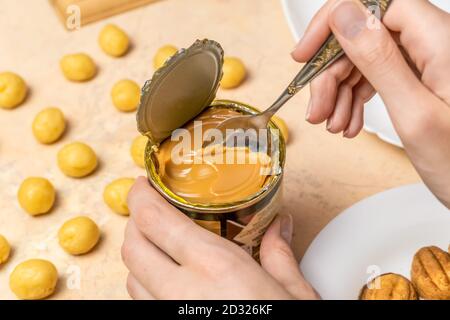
(392, 286)
(430, 273)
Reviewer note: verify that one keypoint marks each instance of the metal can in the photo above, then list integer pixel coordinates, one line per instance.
(177, 93)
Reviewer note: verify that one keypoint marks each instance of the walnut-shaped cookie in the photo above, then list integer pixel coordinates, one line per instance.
(430, 273)
(389, 286)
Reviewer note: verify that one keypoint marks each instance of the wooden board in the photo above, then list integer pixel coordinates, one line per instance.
(94, 10)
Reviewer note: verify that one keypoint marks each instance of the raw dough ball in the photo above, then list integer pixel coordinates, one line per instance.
(391, 287)
(113, 40)
(5, 249)
(282, 126)
(430, 273)
(77, 160)
(163, 54)
(126, 95)
(79, 235)
(138, 150)
(116, 193)
(233, 73)
(13, 90)
(78, 67)
(49, 125)
(33, 279)
(36, 195)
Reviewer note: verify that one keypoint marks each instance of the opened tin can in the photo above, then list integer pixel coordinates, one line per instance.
(180, 92)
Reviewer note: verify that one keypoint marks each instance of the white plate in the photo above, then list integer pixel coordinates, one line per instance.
(376, 118)
(379, 234)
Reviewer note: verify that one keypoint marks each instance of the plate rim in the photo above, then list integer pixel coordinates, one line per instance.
(344, 213)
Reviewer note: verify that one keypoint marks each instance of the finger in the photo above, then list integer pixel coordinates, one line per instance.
(371, 49)
(324, 91)
(148, 264)
(418, 22)
(424, 23)
(165, 226)
(136, 290)
(279, 261)
(377, 56)
(362, 93)
(315, 35)
(342, 114)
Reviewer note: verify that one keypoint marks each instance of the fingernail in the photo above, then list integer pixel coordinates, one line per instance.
(296, 46)
(349, 19)
(345, 133)
(286, 227)
(308, 110)
(329, 123)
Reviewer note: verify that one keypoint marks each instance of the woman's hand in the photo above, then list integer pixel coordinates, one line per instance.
(170, 257)
(406, 60)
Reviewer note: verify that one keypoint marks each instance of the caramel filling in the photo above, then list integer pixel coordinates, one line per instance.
(212, 177)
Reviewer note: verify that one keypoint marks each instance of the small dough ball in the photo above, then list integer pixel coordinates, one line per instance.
(116, 193)
(430, 273)
(78, 235)
(5, 249)
(78, 67)
(36, 195)
(113, 40)
(391, 287)
(138, 150)
(49, 125)
(163, 54)
(126, 95)
(13, 90)
(33, 279)
(281, 124)
(77, 160)
(233, 73)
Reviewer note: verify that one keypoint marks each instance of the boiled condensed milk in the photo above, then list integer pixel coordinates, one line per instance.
(232, 190)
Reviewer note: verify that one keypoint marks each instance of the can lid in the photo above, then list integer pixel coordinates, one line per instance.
(180, 90)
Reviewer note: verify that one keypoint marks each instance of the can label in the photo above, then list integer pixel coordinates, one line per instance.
(248, 231)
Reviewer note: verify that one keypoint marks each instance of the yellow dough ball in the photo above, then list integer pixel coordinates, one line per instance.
(5, 249)
(116, 193)
(78, 235)
(163, 54)
(233, 73)
(34, 279)
(49, 125)
(113, 40)
(126, 95)
(36, 195)
(281, 124)
(13, 90)
(137, 150)
(77, 160)
(78, 67)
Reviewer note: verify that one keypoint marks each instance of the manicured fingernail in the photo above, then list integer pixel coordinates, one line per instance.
(308, 110)
(345, 133)
(329, 123)
(286, 227)
(296, 46)
(349, 19)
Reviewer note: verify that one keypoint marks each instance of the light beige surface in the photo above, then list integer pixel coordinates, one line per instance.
(324, 174)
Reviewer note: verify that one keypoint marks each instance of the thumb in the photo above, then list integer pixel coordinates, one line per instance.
(279, 261)
(370, 46)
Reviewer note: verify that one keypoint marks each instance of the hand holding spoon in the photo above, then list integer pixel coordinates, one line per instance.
(329, 53)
